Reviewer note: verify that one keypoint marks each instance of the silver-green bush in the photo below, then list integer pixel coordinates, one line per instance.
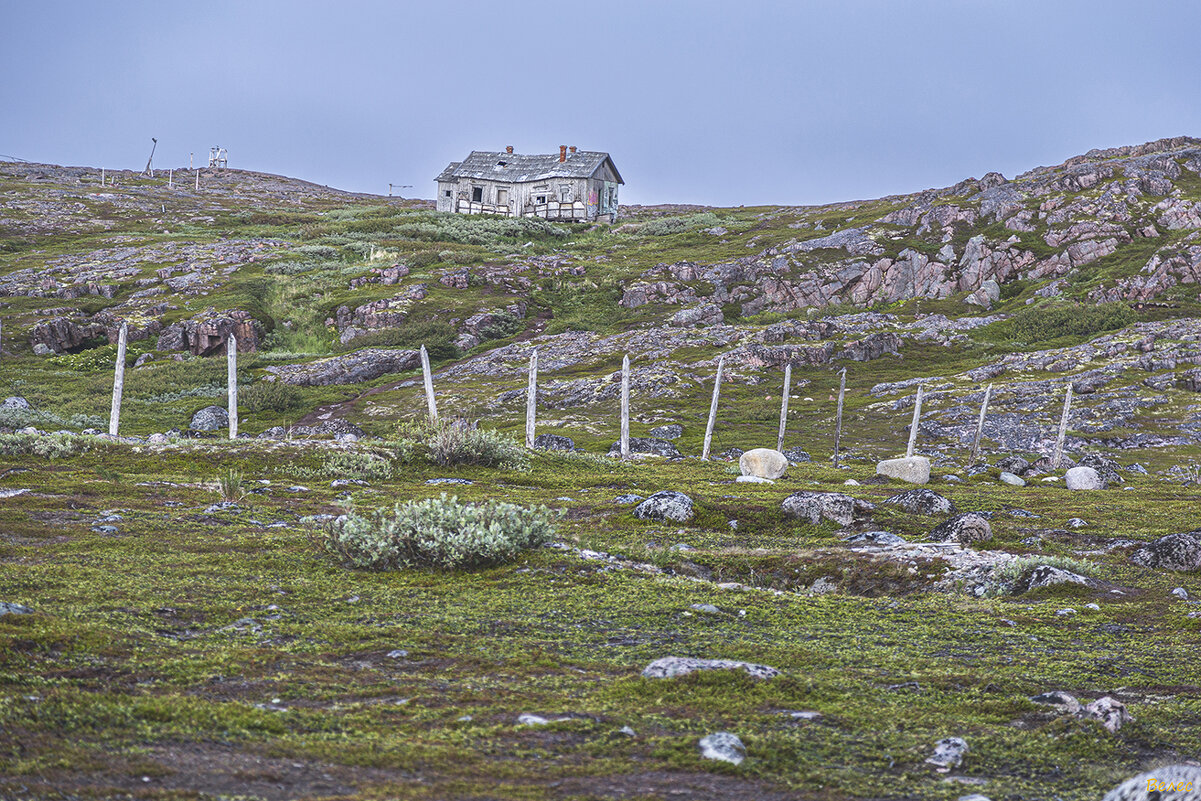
(439, 533)
(454, 442)
(361, 465)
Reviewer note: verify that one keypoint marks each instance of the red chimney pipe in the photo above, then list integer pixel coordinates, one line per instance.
(508, 148)
(562, 153)
(572, 148)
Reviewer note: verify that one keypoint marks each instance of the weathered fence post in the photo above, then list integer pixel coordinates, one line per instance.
(917, 416)
(429, 385)
(625, 407)
(531, 400)
(980, 426)
(102, 176)
(1063, 429)
(713, 409)
(842, 391)
(198, 180)
(114, 417)
(231, 360)
(784, 406)
(171, 179)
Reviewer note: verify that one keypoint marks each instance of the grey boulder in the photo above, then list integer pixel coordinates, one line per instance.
(1083, 478)
(649, 445)
(962, 528)
(796, 455)
(1050, 576)
(922, 501)
(1173, 552)
(1169, 783)
(763, 463)
(665, 505)
(210, 418)
(10, 608)
(948, 753)
(913, 469)
(670, 667)
(554, 442)
(671, 431)
(816, 506)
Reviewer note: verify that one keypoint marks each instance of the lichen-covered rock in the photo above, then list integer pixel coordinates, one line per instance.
(1110, 711)
(670, 667)
(1049, 576)
(963, 528)
(763, 463)
(648, 445)
(1173, 552)
(796, 455)
(1106, 468)
(1169, 783)
(665, 505)
(816, 506)
(554, 442)
(921, 501)
(210, 418)
(1065, 702)
(669, 431)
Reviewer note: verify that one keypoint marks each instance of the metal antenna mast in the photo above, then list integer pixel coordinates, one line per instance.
(150, 160)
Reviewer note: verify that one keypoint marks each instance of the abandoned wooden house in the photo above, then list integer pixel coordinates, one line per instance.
(574, 185)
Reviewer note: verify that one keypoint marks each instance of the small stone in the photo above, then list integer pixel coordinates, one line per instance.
(526, 719)
(763, 463)
(464, 719)
(948, 753)
(1068, 612)
(460, 481)
(850, 482)
(913, 469)
(708, 609)
(1076, 522)
(627, 499)
(670, 667)
(723, 746)
(1059, 699)
(1012, 480)
(1111, 712)
(397, 653)
(210, 418)
(1095, 607)
(951, 478)
(554, 442)
(753, 480)
(796, 455)
(10, 608)
(1049, 576)
(105, 529)
(804, 714)
(627, 731)
(1181, 593)
(874, 538)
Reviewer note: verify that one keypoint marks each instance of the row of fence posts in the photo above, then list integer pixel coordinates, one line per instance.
(106, 181)
(531, 403)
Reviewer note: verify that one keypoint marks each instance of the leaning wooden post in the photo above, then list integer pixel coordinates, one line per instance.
(842, 391)
(531, 400)
(429, 385)
(713, 409)
(198, 180)
(980, 426)
(917, 415)
(171, 179)
(231, 360)
(1063, 429)
(784, 406)
(625, 407)
(114, 417)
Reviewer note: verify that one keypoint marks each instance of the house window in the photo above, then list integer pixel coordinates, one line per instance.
(477, 194)
(502, 197)
(565, 193)
(447, 193)
(540, 200)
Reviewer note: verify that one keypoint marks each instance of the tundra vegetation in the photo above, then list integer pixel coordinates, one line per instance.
(352, 601)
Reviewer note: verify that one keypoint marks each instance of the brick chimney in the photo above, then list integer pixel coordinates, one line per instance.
(508, 148)
(572, 148)
(562, 153)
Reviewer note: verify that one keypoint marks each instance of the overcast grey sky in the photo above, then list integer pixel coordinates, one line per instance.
(722, 103)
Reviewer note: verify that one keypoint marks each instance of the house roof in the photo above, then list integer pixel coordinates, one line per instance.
(517, 168)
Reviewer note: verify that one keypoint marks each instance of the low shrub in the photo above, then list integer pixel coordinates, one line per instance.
(440, 533)
(270, 396)
(231, 486)
(361, 465)
(455, 442)
(47, 446)
(1044, 323)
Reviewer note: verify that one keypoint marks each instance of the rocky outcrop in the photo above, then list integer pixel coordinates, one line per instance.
(1173, 552)
(353, 368)
(207, 336)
